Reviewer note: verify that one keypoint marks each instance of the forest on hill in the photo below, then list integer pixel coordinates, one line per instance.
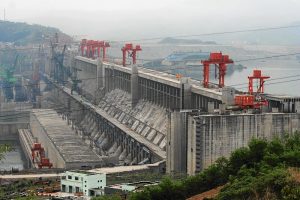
(23, 34)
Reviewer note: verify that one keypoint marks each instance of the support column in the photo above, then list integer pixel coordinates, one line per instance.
(135, 96)
(177, 143)
(100, 80)
(185, 94)
(100, 74)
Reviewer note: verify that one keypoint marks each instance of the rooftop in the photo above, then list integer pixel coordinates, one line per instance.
(88, 173)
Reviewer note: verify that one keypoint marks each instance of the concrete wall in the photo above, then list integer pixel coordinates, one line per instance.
(176, 146)
(88, 75)
(213, 136)
(10, 122)
(26, 142)
(50, 150)
(9, 131)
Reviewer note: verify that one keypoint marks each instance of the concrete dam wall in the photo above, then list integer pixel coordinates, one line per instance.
(213, 136)
(147, 119)
(10, 122)
(107, 134)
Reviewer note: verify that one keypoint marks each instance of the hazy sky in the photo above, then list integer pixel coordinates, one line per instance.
(129, 19)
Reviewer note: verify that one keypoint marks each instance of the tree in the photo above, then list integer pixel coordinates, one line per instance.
(3, 149)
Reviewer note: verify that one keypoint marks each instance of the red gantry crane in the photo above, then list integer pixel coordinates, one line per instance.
(253, 99)
(102, 48)
(132, 52)
(83, 46)
(220, 61)
(90, 47)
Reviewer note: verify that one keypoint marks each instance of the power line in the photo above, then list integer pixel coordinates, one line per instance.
(228, 85)
(177, 68)
(213, 33)
(269, 57)
(203, 34)
(63, 108)
(271, 79)
(279, 82)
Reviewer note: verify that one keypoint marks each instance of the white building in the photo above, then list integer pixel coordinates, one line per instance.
(83, 182)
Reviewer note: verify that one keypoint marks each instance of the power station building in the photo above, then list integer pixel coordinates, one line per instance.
(83, 182)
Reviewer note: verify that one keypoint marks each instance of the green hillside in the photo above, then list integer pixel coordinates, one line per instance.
(23, 33)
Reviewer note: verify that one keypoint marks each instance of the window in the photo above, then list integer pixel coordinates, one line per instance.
(91, 193)
(69, 177)
(70, 189)
(77, 189)
(63, 188)
(76, 178)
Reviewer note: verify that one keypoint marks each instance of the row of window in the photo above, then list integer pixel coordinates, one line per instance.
(76, 178)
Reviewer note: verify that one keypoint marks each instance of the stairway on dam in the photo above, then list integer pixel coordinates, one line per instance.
(147, 119)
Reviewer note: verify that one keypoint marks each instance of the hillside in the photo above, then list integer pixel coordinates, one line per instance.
(23, 33)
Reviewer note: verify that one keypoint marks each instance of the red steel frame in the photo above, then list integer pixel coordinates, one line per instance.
(221, 61)
(89, 48)
(253, 99)
(132, 52)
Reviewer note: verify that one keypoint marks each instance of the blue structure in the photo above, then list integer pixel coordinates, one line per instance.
(187, 56)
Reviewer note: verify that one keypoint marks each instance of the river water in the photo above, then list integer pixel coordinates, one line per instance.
(283, 69)
(13, 159)
(285, 76)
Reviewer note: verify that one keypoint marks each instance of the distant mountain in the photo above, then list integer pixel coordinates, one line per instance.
(23, 33)
(284, 36)
(170, 40)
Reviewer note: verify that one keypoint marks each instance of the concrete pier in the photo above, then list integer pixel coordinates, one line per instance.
(213, 136)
